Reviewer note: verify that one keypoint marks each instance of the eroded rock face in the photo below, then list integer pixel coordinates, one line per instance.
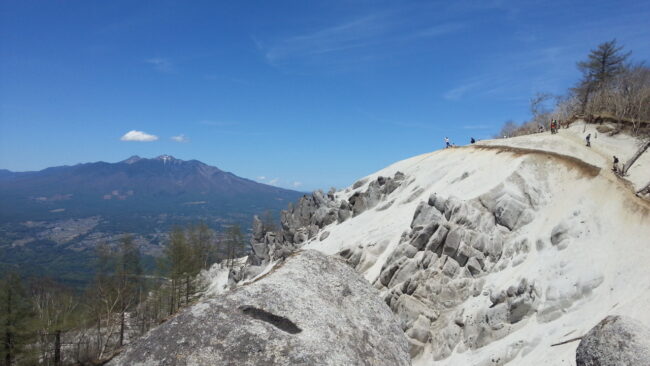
(302, 222)
(616, 340)
(433, 280)
(333, 317)
(439, 264)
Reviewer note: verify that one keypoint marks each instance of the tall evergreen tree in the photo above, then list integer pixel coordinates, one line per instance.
(130, 265)
(202, 248)
(176, 261)
(602, 65)
(15, 318)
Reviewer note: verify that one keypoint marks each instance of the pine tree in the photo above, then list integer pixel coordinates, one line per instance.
(15, 318)
(203, 250)
(602, 65)
(176, 262)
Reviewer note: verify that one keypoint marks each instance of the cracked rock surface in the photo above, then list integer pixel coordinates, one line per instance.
(616, 340)
(330, 317)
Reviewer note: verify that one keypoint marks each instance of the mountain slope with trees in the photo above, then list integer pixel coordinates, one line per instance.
(52, 220)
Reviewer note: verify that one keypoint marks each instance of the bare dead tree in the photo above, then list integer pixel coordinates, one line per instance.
(634, 157)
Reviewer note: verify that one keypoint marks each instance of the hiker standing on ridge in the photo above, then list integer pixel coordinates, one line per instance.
(471, 140)
(447, 144)
(615, 165)
(588, 138)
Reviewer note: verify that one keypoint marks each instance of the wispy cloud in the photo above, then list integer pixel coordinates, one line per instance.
(431, 126)
(436, 30)
(359, 38)
(160, 64)
(227, 78)
(138, 136)
(180, 138)
(524, 72)
(279, 182)
(459, 91)
(353, 34)
(218, 123)
(476, 127)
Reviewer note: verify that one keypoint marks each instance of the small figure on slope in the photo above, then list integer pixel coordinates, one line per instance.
(588, 138)
(615, 165)
(472, 140)
(447, 144)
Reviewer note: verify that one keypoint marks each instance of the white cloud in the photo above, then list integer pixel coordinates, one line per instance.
(161, 64)
(296, 184)
(139, 136)
(274, 181)
(180, 138)
(261, 177)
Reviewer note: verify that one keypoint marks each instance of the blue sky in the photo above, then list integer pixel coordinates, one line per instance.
(304, 94)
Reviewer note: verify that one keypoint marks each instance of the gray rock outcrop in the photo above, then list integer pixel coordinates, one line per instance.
(287, 317)
(616, 340)
(440, 260)
(302, 222)
(439, 264)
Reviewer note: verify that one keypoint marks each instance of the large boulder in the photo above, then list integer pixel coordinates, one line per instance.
(616, 340)
(310, 310)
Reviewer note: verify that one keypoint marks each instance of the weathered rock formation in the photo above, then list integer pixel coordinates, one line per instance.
(311, 309)
(487, 268)
(616, 340)
(439, 262)
(302, 221)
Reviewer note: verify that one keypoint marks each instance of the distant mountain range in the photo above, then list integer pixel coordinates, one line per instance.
(162, 185)
(50, 220)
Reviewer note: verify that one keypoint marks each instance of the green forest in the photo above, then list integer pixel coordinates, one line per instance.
(44, 321)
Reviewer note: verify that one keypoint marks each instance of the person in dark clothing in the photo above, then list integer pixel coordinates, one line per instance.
(447, 144)
(472, 140)
(588, 138)
(615, 165)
